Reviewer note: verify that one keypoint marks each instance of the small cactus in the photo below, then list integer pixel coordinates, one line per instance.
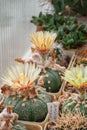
(77, 76)
(29, 100)
(52, 80)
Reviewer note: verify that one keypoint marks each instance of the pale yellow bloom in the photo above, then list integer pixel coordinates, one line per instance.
(77, 76)
(21, 76)
(43, 40)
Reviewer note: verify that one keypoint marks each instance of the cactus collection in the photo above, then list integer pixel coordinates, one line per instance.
(40, 79)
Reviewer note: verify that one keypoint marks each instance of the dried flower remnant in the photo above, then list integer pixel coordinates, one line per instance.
(7, 118)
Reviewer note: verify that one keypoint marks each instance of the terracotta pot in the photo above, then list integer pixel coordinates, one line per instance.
(39, 27)
(69, 52)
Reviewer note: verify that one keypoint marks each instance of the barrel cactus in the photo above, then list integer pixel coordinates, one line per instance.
(52, 80)
(29, 100)
(74, 103)
(77, 76)
(43, 42)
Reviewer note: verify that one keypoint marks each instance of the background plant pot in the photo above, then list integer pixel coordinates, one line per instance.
(69, 52)
(39, 27)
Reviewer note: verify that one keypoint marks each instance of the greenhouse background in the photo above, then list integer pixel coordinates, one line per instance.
(15, 28)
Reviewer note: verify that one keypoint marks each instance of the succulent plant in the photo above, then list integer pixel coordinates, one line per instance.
(73, 40)
(52, 80)
(28, 99)
(77, 76)
(43, 43)
(78, 6)
(70, 6)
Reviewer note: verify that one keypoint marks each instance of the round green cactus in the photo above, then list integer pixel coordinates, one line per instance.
(74, 104)
(19, 126)
(77, 76)
(34, 109)
(52, 80)
(29, 100)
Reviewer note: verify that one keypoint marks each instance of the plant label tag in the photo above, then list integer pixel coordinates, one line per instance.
(53, 110)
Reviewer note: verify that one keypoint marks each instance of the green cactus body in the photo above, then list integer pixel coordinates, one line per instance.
(52, 80)
(74, 104)
(34, 109)
(19, 126)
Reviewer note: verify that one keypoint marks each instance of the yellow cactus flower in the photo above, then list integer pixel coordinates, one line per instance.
(21, 76)
(43, 40)
(77, 76)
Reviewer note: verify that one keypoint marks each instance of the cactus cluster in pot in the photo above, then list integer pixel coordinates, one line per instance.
(21, 91)
(77, 77)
